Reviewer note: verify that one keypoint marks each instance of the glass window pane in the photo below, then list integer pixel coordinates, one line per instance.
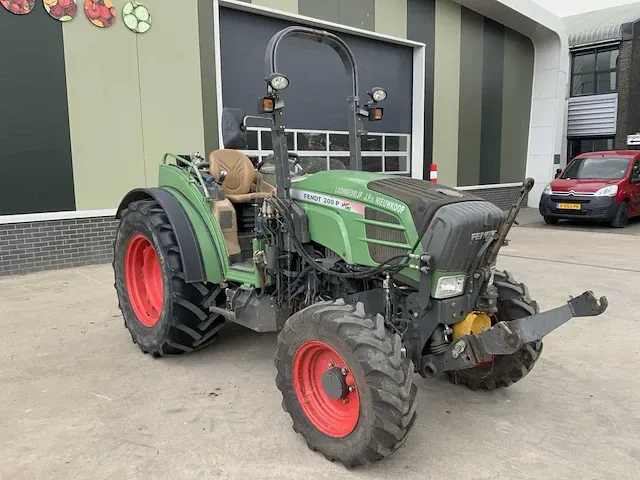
(607, 82)
(252, 140)
(254, 158)
(339, 163)
(268, 145)
(313, 164)
(372, 164)
(372, 143)
(584, 84)
(603, 144)
(316, 142)
(396, 144)
(584, 63)
(607, 60)
(599, 144)
(573, 148)
(396, 164)
(338, 142)
(586, 145)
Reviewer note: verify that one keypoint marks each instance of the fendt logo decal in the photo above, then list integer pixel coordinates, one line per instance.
(482, 235)
(339, 203)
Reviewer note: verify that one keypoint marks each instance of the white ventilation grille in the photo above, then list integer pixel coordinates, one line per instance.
(592, 115)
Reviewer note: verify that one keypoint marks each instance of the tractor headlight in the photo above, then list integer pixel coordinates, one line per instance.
(378, 94)
(450, 286)
(609, 191)
(278, 81)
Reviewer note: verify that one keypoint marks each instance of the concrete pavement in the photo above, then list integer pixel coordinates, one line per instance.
(78, 400)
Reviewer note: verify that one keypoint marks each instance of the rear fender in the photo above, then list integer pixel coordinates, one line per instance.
(193, 265)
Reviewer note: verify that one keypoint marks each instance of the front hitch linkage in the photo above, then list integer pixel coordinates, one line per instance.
(506, 338)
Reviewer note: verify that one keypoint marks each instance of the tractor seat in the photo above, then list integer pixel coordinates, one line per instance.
(241, 174)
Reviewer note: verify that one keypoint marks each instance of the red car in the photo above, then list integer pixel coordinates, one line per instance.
(599, 186)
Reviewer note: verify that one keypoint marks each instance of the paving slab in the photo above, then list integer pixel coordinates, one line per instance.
(78, 400)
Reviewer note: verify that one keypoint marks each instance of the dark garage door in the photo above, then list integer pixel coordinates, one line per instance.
(316, 99)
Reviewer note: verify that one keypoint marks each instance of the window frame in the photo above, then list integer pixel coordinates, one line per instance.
(570, 141)
(327, 152)
(595, 51)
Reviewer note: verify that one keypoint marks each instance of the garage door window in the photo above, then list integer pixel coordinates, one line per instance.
(381, 152)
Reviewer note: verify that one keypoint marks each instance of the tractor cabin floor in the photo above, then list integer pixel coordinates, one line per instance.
(78, 400)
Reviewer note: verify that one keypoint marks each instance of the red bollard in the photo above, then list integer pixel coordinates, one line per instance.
(433, 174)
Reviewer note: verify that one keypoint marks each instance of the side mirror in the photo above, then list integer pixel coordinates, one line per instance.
(558, 172)
(234, 134)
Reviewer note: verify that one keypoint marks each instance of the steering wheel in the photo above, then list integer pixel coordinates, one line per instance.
(294, 160)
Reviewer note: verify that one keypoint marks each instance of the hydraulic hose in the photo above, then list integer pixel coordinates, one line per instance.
(361, 275)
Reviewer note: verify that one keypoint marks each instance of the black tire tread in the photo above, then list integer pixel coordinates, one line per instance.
(622, 216)
(192, 327)
(514, 302)
(388, 375)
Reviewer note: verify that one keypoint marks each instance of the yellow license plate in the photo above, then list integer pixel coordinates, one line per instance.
(569, 206)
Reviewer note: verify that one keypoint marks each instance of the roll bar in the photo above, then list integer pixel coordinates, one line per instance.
(356, 127)
(350, 65)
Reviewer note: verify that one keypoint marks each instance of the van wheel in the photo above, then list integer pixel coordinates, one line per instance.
(551, 220)
(622, 217)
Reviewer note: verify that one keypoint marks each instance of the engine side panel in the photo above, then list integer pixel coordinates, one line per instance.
(458, 231)
(361, 226)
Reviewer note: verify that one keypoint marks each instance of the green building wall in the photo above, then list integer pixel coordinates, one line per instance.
(133, 97)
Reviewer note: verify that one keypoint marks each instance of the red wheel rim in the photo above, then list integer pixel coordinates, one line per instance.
(143, 277)
(335, 418)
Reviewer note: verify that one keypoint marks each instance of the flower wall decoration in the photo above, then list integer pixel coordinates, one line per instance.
(136, 17)
(62, 10)
(101, 13)
(18, 7)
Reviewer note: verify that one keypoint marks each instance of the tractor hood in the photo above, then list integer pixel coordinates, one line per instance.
(451, 225)
(393, 193)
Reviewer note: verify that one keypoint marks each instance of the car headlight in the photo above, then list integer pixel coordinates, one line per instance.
(450, 286)
(609, 191)
(547, 190)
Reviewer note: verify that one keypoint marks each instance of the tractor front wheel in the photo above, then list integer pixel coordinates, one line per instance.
(513, 302)
(345, 382)
(163, 313)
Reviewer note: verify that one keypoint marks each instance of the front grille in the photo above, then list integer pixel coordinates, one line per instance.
(382, 253)
(570, 199)
(379, 216)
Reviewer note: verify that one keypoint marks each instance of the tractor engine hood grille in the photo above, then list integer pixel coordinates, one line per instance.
(453, 225)
(423, 198)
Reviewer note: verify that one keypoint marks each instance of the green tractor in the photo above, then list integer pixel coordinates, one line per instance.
(368, 278)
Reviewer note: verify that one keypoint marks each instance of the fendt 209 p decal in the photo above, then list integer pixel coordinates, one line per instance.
(339, 203)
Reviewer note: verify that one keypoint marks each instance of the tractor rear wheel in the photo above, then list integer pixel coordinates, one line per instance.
(163, 313)
(345, 382)
(513, 302)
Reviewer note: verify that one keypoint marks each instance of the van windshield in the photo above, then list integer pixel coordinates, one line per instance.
(613, 168)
